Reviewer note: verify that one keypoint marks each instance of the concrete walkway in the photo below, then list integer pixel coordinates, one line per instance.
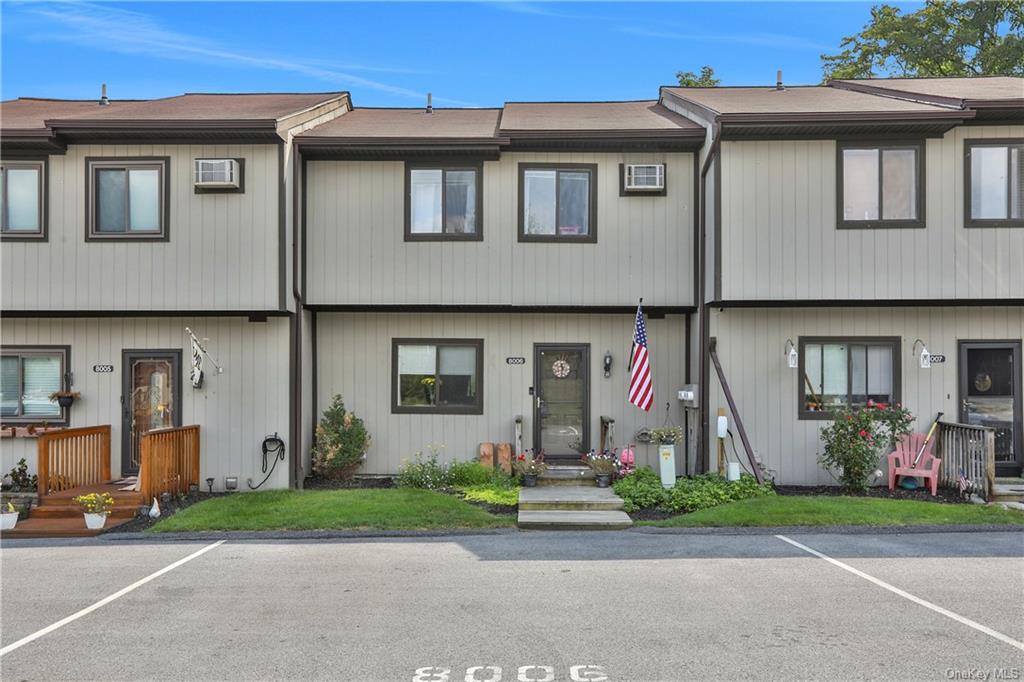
(575, 507)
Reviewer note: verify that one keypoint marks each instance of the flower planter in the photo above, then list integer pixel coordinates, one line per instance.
(530, 480)
(8, 520)
(95, 521)
(65, 401)
(603, 480)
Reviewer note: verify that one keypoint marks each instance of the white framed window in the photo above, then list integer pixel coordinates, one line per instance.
(28, 375)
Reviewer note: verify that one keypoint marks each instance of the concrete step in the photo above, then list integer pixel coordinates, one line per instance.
(1008, 492)
(569, 498)
(573, 475)
(574, 520)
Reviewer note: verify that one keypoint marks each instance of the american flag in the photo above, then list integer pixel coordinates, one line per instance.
(963, 483)
(641, 391)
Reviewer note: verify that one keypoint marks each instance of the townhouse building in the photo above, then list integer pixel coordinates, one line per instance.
(126, 223)
(462, 276)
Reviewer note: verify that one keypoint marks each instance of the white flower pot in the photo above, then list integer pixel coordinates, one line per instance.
(95, 521)
(8, 520)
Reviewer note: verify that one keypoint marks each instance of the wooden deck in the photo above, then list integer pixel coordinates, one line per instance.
(59, 516)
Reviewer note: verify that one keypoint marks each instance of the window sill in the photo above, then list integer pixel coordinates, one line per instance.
(14, 431)
(881, 225)
(435, 237)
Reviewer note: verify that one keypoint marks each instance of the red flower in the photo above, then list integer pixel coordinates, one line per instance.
(863, 433)
(521, 458)
(849, 418)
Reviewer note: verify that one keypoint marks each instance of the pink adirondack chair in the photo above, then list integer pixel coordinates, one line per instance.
(901, 461)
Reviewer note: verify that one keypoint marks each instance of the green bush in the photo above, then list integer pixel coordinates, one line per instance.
(423, 473)
(856, 438)
(341, 442)
(711, 490)
(493, 493)
(466, 474)
(642, 489)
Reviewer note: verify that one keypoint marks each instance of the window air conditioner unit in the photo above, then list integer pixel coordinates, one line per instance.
(216, 173)
(646, 177)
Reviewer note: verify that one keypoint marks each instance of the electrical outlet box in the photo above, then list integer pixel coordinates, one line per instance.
(688, 395)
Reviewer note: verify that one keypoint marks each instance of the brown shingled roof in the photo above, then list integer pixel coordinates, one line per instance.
(799, 100)
(29, 113)
(369, 124)
(581, 117)
(962, 91)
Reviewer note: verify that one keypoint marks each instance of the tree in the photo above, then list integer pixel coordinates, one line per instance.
(706, 78)
(940, 39)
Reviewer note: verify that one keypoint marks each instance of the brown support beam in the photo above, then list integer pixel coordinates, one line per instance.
(712, 348)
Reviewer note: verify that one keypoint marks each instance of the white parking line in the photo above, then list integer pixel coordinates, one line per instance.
(906, 595)
(106, 600)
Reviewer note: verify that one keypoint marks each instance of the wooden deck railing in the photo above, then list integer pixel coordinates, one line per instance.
(971, 449)
(70, 458)
(168, 460)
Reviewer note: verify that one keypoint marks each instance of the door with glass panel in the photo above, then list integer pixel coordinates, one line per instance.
(990, 395)
(151, 399)
(561, 389)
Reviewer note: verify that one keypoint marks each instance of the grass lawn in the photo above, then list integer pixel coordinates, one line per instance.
(793, 510)
(387, 509)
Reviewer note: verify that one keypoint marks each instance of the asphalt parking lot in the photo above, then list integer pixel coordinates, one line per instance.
(518, 606)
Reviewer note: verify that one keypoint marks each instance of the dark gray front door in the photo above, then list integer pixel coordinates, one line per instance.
(561, 400)
(150, 398)
(990, 395)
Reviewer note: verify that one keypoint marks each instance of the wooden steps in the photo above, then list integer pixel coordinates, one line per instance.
(57, 515)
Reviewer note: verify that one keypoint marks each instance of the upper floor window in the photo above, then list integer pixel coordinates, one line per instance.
(437, 376)
(994, 183)
(127, 198)
(881, 185)
(557, 202)
(27, 378)
(443, 202)
(847, 372)
(22, 202)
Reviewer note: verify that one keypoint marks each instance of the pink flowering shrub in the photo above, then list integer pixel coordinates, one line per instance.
(856, 439)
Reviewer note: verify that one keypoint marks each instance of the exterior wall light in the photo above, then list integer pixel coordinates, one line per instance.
(925, 358)
(607, 363)
(792, 356)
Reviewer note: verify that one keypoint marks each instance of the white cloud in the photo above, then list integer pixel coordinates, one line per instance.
(776, 40)
(124, 31)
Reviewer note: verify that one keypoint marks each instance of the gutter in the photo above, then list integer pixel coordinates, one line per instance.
(295, 363)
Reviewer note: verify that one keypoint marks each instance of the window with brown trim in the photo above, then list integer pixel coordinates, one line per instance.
(28, 375)
(127, 198)
(437, 376)
(443, 201)
(557, 202)
(847, 372)
(994, 183)
(23, 200)
(880, 185)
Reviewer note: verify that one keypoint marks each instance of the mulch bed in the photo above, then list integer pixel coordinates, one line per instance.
(176, 504)
(921, 494)
(318, 483)
(496, 509)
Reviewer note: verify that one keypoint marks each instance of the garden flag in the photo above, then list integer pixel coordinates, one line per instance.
(197, 363)
(641, 390)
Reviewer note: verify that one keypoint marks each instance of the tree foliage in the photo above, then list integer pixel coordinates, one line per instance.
(705, 79)
(941, 39)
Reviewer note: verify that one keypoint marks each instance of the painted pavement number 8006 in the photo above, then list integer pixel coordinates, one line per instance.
(525, 673)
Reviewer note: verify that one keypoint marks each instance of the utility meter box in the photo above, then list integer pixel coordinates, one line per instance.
(667, 460)
(688, 395)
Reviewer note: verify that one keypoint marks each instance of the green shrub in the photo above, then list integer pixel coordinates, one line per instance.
(466, 474)
(711, 490)
(642, 489)
(492, 493)
(423, 473)
(341, 442)
(856, 438)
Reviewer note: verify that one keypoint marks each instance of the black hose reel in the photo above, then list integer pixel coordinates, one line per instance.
(273, 447)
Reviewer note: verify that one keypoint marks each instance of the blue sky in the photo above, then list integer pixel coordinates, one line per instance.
(391, 54)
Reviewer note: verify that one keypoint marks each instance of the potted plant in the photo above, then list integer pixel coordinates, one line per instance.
(666, 435)
(96, 507)
(604, 467)
(9, 517)
(531, 467)
(65, 398)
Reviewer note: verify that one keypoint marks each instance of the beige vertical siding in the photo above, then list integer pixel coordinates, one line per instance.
(222, 253)
(235, 409)
(354, 359)
(356, 252)
(779, 236)
(751, 344)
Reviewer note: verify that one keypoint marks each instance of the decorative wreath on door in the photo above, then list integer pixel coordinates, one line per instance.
(561, 369)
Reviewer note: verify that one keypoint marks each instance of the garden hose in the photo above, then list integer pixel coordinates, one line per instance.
(272, 446)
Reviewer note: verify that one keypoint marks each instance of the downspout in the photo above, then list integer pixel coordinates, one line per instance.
(297, 473)
(701, 464)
